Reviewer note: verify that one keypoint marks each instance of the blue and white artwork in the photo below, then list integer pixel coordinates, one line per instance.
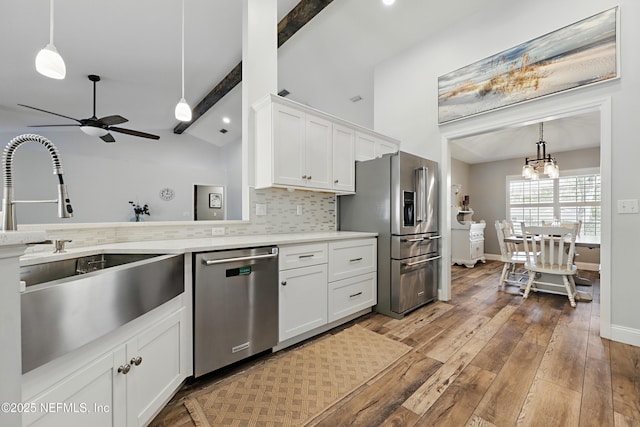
(579, 54)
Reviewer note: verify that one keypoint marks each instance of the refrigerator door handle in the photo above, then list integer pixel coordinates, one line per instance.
(421, 193)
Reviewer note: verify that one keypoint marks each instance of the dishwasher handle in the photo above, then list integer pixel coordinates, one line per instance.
(273, 254)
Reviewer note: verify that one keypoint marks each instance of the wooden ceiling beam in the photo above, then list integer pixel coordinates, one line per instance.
(302, 13)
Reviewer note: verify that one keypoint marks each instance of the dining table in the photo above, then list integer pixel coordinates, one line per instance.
(591, 242)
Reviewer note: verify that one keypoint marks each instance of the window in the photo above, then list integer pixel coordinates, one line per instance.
(572, 197)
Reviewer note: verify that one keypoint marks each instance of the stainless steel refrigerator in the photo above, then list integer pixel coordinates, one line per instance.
(397, 197)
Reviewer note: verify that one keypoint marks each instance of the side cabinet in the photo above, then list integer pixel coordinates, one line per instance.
(127, 386)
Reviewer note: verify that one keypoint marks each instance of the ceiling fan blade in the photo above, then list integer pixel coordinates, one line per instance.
(108, 138)
(47, 126)
(133, 132)
(50, 112)
(112, 120)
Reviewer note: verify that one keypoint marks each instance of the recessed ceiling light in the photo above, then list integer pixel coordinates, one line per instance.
(356, 98)
(388, 2)
(226, 120)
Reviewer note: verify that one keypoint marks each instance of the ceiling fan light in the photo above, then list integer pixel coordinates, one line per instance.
(183, 111)
(49, 63)
(93, 130)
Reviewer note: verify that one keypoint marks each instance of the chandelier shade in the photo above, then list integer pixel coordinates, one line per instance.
(543, 163)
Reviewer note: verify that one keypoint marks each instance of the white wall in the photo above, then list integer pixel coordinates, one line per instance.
(406, 108)
(232, 155)
(102, 178)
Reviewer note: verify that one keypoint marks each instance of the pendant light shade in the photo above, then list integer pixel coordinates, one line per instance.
(183, 110)
(49, 63)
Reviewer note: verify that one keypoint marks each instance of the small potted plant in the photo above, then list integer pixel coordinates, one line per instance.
(139, 210)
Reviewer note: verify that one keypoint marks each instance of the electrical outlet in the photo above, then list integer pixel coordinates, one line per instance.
(299, 210)
(217, 231)
(261, 209)
(629, 206)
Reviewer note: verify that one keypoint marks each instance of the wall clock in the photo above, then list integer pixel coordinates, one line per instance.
(167, 194)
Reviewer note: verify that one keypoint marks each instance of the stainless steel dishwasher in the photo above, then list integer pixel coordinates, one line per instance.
(235, 306)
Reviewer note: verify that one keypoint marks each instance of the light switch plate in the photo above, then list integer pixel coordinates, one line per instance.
(217, 231)
(628, 206)
(261, 209)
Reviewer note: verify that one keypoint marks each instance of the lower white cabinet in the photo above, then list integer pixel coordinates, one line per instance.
(303, 300)
(340, 282)
(126, 386)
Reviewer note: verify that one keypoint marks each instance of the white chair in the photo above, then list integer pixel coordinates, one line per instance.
(550, 251)
(511, 258)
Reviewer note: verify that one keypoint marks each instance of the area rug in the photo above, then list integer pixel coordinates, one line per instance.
(292, 388)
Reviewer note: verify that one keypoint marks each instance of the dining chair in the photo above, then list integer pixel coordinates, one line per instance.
(550, 251)
(511, 274)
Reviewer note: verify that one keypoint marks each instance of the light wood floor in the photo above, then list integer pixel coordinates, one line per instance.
(486, 358)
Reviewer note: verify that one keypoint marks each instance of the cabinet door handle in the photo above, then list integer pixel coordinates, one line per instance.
(283, 283)
(304, 176)
(124, 369)
(309, 177)
(355, 295)
(305, 256)
(336, 181)
(355, 259)
(136, 361)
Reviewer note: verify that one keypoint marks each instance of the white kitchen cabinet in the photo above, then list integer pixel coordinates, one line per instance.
(114, 389)
(301, 151)
(352, 277)
(344, 159)
(370, 146)
(302, 299)
(302, 148)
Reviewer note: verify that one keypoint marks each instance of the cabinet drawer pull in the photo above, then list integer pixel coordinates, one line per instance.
(136, 361)
(355, 259)
(124, 369)
(336, 181)
(304, 176)
(305, 256)
(309, 177)
(355, 295)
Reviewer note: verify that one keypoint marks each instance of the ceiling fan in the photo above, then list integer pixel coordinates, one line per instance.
(94, 126)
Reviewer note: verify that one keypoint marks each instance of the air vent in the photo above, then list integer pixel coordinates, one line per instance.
(223, 130)
(283, 92)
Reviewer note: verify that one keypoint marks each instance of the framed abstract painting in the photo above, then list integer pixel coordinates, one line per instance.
(579, 54)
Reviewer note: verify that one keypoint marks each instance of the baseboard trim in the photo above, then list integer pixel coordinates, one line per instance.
(625, 335)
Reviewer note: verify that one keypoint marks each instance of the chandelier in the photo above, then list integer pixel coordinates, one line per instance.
(545, 163)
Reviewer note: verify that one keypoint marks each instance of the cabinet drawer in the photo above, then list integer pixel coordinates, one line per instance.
(296, 256)
(351, 295)
(351, 258)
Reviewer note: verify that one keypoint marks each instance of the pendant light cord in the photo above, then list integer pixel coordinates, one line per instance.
(51, 22)
(182, 48)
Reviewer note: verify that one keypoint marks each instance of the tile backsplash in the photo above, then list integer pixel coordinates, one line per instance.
(317, 214)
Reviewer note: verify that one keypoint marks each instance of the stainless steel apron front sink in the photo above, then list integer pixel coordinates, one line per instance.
(70, 303)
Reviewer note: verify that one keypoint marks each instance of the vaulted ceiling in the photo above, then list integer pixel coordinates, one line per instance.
(135, 47)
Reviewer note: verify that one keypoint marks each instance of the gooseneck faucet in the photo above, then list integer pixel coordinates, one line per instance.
(8, 204)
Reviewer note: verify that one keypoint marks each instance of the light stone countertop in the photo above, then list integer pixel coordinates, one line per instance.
(8, 238)
(180, 246)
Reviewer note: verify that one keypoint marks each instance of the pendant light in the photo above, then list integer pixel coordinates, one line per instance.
(543, 161)
(183, 111)
(49, 63)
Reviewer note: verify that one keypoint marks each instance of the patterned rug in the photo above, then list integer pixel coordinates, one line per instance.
(290, 389)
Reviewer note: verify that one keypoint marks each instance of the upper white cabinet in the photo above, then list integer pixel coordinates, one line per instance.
(370, 146)
(344, 158)
(299, 147)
